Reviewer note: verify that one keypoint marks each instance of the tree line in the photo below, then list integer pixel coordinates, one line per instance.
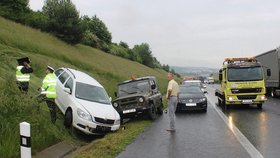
(62, 19)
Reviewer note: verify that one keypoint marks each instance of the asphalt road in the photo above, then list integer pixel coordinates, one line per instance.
(241, 131)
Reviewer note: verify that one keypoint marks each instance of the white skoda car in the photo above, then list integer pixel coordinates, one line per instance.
(85, 103)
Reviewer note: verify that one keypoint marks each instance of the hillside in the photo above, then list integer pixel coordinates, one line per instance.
(202, 71)
(43, 49)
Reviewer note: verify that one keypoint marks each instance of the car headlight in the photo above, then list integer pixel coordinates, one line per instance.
(263, 97)
(230, 98)
(141, 100)
(203, 99)
(115, 104)
(117, 122)
(84, 115)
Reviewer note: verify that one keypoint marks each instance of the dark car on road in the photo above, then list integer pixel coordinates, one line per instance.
(191, 98)
(140, 96)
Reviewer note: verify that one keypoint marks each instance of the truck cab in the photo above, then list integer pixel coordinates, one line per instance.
(242, 82)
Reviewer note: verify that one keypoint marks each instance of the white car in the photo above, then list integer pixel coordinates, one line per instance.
(85, 103)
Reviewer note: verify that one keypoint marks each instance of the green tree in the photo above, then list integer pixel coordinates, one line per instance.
(96, 27)
(37, 20)
(144, 52)
(64, 21)
(14, 9)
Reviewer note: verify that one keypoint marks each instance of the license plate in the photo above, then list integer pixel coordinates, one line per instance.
(103, 128)
(190, 104)
(247, 101)
(129, 111)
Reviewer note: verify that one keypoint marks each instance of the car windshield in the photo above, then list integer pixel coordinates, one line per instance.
(245, 74)
(92, 93)
(141, 86)
(198, 84)
(190, 90)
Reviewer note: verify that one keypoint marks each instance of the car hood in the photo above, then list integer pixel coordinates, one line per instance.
(193, 96)
(132, 95)
(100, 110)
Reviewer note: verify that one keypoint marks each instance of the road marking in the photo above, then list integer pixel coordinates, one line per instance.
(253, 152)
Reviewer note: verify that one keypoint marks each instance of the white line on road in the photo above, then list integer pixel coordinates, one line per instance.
(253, 152)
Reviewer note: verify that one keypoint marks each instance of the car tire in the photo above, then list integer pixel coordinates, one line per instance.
(160, 109)
(152, 112)
(68, 118)
(259, 106)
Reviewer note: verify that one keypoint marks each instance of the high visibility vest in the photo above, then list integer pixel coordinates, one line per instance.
(49, 86)
(20, 76)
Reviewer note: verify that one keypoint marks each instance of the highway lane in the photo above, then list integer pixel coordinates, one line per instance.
(260, 127)
(198, 135)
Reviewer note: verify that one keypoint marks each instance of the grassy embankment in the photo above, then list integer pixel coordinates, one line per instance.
(19, 41)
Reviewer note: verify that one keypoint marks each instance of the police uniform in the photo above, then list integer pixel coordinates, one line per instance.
(48, 90)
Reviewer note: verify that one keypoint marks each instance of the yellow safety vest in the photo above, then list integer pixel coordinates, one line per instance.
(49, 86)
(20, 76)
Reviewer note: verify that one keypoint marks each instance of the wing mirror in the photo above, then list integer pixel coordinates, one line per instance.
(110, 98)
(67, 90)
(220, 74)
(268, 72)
(153, 86)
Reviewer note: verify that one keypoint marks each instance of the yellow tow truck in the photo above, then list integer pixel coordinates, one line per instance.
(242, 82)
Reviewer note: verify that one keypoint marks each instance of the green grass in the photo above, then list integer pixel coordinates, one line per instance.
(43, 49)
(112, 144)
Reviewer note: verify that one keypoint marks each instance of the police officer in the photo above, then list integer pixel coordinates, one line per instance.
(23, 75)
(48, 90)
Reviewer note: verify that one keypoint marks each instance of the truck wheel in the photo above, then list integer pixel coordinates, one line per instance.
(259, 106)
(68, 118)
(160, 109)
(219, 102)
(152, 112)
(272, 93)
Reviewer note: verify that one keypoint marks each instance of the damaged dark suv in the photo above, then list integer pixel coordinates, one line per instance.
(140, 96)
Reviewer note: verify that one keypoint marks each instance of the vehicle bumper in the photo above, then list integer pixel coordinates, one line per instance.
(198, 106)
(94, 128)
(235, 99)
(128, 113)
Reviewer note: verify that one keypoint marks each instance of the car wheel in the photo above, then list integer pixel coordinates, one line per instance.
(68, 118)
(152, 112)
(259, 106)
(160, 109)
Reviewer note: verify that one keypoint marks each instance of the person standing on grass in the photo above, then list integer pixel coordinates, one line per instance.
(172, 99)
(23, 74)
(48, 90)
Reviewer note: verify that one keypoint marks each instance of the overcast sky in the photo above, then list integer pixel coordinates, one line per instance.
(189, 33)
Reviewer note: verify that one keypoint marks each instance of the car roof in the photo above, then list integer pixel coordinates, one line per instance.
(138, 79)
(192, 81)
(83, 77)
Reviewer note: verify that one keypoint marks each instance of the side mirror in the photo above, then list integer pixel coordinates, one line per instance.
(110, 98)
(115, 94)
(220, 74)
(268, 72)
(153, 86)
(67, 90)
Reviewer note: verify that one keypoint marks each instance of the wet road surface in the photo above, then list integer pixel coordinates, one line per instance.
(260, 127)
(213, 134)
